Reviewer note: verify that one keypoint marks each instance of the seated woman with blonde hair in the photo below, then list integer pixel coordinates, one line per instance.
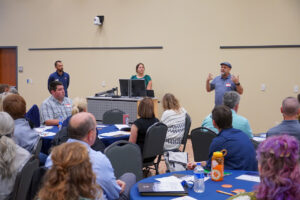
(71, 175)
(79, 105)
(12, 156)
(279, 170)
(174, 117)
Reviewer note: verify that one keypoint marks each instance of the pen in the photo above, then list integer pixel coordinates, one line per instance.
(224, 192)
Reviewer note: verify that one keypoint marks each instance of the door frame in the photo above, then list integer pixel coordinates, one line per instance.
(16, 48)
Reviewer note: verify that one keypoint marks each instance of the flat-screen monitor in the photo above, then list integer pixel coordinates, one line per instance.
(132, 88)
(138, 88)
(124, 85)
(150, 93)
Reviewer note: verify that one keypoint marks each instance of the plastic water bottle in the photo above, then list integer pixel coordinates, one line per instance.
(199, 186)
(60, 122)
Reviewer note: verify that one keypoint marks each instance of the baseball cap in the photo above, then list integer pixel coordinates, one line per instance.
(227, 64)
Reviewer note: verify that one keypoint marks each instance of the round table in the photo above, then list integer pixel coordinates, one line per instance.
(210, 186)
(106, 140)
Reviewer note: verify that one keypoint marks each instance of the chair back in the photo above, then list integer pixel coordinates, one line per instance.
(255, 143)
(23, 180)
(36, 182)
(38, 148)
(154, 140)
(154, 145)
(114, 116)
(125, 157)
(33, 115)
(201, 139)
(187, 127)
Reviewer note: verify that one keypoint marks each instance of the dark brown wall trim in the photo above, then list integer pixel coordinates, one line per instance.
(260, 47)
(94, 48)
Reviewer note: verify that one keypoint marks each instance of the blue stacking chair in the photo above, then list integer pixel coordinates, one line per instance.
(33, 115)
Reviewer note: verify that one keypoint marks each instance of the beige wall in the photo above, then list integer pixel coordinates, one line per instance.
(190, 32)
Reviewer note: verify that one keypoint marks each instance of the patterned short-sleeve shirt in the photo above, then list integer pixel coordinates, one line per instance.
(51, 108)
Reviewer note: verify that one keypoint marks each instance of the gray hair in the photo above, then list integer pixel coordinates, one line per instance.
(13, 90)
(7, 146)
(290, 106)
(231, 99)
(7, 124)
(2, 97)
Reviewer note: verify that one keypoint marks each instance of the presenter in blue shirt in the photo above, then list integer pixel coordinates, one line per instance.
(60, 76)
(223, 83)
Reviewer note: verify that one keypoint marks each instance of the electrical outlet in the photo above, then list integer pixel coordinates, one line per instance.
(263, 87)
(103, 84)
(296, 88)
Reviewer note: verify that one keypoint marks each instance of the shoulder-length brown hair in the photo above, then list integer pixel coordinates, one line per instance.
(170, 102)
(146, 108)
(14, 105)
(71, 175)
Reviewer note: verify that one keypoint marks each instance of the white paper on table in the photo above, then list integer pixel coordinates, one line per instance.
(264, 135)
(189, 178)
(184, 198)
(168, 179)
(186, 178)
(111, 134)
(101, 126)
(46, 134)
(206, 178)
(42, 129)
(249, 178)
(259, 139)
(167, 186)
(120, 126)
(48, 127)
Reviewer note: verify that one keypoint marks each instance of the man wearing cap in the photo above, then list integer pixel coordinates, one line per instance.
(223, 83)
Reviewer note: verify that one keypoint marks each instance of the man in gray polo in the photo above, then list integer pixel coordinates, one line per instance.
(223, 83)
(55, 106)
(290, 124)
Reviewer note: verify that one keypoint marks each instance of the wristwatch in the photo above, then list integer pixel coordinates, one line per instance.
(237, 84)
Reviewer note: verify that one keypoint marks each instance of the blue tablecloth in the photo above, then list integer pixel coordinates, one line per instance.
(210, 186)
(46, 141)
(109, 140)
(106, 140)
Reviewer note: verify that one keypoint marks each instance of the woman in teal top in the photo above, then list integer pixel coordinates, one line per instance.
(140, 69)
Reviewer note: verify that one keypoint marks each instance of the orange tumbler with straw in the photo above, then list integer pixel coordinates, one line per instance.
(217, 165)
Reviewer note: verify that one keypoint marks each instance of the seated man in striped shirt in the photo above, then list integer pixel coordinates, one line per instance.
(55, 106)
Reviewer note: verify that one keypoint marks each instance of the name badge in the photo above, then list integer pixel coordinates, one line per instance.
(68, 105)
(228, 85)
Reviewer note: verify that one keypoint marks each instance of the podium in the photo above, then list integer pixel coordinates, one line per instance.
(99, 105)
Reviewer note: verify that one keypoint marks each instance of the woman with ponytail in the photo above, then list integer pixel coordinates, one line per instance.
(71, 176)
(79, 105)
